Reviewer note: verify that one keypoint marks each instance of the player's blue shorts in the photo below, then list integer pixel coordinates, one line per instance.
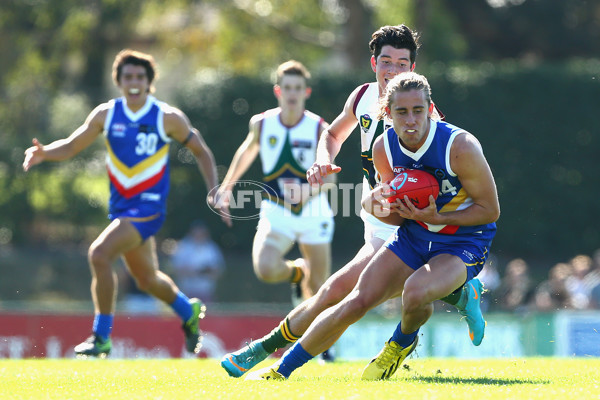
(146, 218)
(416, 252)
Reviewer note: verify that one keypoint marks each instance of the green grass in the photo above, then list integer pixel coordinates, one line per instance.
(534, 378)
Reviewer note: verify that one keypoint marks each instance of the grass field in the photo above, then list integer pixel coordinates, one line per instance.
(536, 378)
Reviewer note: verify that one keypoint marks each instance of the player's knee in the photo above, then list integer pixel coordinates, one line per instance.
(146, 281)
(355, 308)
(143, 283)
(413, 298)
(268, 271)
(329, 295)
(98, 257)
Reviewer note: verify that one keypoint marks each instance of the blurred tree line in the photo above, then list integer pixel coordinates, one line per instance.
(520, 74)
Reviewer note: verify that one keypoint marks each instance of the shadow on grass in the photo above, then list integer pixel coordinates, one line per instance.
(477, 381)
(436, 378)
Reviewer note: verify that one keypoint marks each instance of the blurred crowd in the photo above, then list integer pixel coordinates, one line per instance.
(573, 285)
(198, 263)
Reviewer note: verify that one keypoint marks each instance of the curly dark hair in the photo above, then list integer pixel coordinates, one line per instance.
(398, 36)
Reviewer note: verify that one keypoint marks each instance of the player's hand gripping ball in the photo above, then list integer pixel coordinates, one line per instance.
(417, 185)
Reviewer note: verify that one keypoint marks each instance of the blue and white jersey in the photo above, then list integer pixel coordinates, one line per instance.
(434, 157)
(137, 158)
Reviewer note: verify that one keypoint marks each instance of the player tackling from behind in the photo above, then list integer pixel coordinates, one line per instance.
(394, 50)
(434, 250)
(137, 130)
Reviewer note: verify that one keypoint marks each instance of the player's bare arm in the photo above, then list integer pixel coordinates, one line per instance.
(64, 149)
(376, 203)
(178, 127)
(469, 163)
(245, 154)
(330, 179)
(331, 141)
(242, 160)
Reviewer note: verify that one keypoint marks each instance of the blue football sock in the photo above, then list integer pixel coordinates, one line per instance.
(182, 306)
(293, 359)
(103, 324)
(403, 339)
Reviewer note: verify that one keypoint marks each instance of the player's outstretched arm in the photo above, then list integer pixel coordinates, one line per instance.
(331, 141)
(178, 126)
(244, 155)
(64, 149)
(242, 160)
(327, 149)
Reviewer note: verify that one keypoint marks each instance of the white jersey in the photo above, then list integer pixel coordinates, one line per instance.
(301, 138)
(366, 110)
(286, 152)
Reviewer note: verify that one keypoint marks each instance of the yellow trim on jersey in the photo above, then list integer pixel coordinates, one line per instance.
(456, 201)
(139, 167)
(285, 167)
(141, 219)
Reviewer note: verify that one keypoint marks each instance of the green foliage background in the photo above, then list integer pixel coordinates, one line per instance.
(542, 156)
(522, 76)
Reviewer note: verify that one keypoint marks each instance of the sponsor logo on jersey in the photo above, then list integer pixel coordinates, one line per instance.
(150, 196)
(272, 141)
(302, 144)
(147, 129)
(365, 122)
(118, 129)
(469, 255)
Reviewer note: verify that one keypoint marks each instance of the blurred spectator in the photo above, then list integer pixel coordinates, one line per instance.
(490, 278)
(515, 287)
(552, 294)
(596, 259)
(198, 263)
(592, 281)
(579, 291)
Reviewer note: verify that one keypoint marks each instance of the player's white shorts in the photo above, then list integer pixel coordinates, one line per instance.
(376, 228)
(314, 224)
